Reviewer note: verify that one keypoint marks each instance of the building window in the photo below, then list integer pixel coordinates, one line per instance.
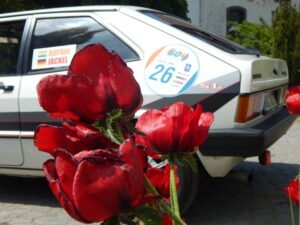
(235, 14)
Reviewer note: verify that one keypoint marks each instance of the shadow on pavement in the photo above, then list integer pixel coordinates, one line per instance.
(32, 191)
(220, 201)
(227, 201)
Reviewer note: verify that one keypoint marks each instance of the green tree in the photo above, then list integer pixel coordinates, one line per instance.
(254, 36)
(296, 53)
(11, 5)
(286, 37)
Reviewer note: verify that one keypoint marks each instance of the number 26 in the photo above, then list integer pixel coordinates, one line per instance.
(166, 76)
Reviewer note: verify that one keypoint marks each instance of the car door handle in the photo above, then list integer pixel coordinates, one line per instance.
(6, 88)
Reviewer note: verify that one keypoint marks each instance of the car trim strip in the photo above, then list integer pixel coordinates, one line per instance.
(218, 99)
(30, 120)
(10, 125)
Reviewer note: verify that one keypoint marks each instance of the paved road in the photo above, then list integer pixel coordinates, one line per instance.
(226, 201)
(220, 201)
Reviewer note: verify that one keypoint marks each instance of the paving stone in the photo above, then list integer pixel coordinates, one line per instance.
(221, 201)
(261, 202)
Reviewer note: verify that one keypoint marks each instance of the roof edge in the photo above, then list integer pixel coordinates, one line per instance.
(64, 9)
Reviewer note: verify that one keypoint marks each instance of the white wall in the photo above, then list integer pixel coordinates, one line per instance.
(211, 14)
(194, 11)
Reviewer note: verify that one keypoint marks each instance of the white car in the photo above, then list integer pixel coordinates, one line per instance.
(172, 61)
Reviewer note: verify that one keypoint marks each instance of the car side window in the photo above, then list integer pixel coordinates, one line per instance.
(10, 41)
(55, 41)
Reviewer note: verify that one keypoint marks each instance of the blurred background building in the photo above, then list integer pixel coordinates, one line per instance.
(214, 15)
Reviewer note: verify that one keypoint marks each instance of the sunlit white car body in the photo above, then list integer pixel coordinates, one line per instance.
(215, 78)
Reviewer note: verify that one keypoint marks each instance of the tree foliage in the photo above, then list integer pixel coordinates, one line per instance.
(286, 45)
(296, 54)
(176, 7)
(282, 40)
(11, 5)
(251, 35)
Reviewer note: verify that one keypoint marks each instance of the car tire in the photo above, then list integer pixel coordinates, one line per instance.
(188, 181)
(189, 184)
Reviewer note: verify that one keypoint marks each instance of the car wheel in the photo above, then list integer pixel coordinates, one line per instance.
(188, 182)
(188, 186)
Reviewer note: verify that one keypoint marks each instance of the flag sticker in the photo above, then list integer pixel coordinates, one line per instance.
(52, 57)
(42, 56)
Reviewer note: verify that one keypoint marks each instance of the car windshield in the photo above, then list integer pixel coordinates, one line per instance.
(219, 42)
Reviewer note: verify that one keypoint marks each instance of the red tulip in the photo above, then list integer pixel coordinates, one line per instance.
(293, 100)
(94, 185)
(177, 128)
(160, 179)
(73, 137)
(293, 190)
(98, 81)
(167, 220)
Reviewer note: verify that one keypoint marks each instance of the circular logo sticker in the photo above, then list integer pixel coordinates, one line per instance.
(171, 70)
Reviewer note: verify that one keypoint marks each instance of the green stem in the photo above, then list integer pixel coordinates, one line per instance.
(298, 177)
(173, 189)
(150, 187)
(291, 209)
(115, 133)
(175, 218)
(153, 191)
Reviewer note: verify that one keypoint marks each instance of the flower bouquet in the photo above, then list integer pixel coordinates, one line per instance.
(100, 171)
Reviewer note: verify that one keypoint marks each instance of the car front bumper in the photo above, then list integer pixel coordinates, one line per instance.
(250, 141)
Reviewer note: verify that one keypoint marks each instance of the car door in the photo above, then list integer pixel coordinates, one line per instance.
(11, 40)
(54, 39)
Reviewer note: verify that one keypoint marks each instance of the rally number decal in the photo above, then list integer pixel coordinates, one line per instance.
(171, 70)
(165, 74)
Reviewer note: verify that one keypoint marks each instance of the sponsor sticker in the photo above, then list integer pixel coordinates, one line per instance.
(52, 57)
(171, 70)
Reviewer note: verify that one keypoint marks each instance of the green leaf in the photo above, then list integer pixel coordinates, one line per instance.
(190, 160)
(148, 215)
(115, 115)
(186, 160)
(131, 128)
(179, 159)
(112, 221)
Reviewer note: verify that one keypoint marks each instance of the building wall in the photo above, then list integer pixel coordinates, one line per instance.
(212, 14)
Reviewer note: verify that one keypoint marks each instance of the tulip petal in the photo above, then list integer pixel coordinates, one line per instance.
(83, 136)
(62, 97)
(98, 82)
(186, 120)
(177, 112)
(134, 158)
(113, 81)
(188, 141)
(128, 94)
(65, 168)
(293, 191)
(206, 119)
(66, 203)
(293, 100)
(48, 138)
(98, 190)
(90, 62)
(73, 138)
(105, 184)
(93, 63)
(176, 128)
(158, 129)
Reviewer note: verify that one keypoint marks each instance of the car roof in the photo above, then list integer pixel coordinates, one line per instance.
(73, 9)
